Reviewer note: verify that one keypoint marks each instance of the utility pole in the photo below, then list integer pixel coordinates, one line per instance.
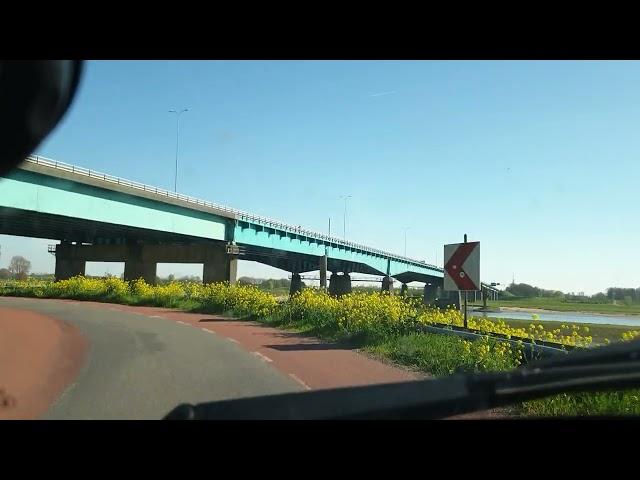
(344, 225)
(405, 240)
(175, 182)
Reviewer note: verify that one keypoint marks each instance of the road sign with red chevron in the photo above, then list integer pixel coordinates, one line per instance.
(462, 266)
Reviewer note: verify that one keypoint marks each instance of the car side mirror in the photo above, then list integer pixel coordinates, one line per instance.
(34, 96)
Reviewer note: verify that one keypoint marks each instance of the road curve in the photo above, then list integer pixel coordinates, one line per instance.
(140, 366)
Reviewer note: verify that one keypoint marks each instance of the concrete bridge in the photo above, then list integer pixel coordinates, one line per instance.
(99, 217)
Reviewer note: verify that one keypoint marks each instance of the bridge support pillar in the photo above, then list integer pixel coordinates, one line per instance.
(403, 290)
(323, 272)
(134, 269)
(339, 284)
(219, 266)
(430, 293)
(345, 284)
(296, 284)
(67, 268)
(387, 284)
(67, 264)
(333, 284)
(136, 265)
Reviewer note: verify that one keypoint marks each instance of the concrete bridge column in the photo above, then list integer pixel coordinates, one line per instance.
(66, 265)
(296, 284)
(136, 266)
(339, 284)
(430, 293)
(135, 269)
(219, 266)
(333, 284)
(346, 284)
(323, 272)
(387, 284)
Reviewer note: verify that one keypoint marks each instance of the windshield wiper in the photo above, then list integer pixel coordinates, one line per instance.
(614, 367)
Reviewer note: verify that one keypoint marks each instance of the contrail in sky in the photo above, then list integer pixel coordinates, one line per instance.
(383, 93)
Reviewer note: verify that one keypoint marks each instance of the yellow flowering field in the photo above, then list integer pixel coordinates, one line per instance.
(220, 297)
(353, 313)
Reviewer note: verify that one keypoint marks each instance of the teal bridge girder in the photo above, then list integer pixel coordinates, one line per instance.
(49, 199)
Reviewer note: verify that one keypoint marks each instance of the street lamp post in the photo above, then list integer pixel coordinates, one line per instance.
(175, 182)
(344, 219)
(405, 240)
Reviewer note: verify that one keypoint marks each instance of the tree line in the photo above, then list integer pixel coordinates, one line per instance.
(524, 290)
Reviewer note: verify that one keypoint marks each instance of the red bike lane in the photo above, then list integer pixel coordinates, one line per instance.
(39, 357)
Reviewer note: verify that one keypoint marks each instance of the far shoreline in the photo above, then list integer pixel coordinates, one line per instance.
(544, 310)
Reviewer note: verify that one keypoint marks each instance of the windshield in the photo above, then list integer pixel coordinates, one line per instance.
(195, 231)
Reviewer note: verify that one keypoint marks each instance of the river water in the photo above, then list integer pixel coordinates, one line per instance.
(567, 317)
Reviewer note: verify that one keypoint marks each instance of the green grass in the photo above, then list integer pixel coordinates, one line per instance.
(584, 404)
(438, 355)
(561, 305)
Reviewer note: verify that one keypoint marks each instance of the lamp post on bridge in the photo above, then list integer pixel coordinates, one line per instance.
(405, 240)
(175, 183)
(344, 219)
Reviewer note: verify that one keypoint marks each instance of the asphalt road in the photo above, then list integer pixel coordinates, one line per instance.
(140, 367)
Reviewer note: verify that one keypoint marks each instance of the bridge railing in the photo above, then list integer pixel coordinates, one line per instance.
(238, 214)
(124, 182)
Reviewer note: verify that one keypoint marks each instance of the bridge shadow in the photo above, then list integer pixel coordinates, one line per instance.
(219, 319)
(305, 343)
(307, 347)
(303, 340)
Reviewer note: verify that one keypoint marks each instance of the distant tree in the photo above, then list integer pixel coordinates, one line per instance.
(19, 267)
(171, 277)
(617, 293)
(190, 278)
(4, 273)
(523, 290)
(505, 294)
(549, 293)
(599, 297)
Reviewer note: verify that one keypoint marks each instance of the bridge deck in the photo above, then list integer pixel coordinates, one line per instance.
(245, 222)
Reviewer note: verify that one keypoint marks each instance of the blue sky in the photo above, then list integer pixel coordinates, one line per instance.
(537, 160)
